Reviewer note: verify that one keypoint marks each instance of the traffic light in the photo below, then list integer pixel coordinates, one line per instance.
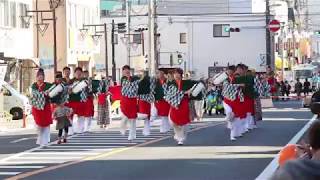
(231, 29)
(180, 60)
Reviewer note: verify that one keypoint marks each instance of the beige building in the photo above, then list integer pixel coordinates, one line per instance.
(74, 48)
(16, 39)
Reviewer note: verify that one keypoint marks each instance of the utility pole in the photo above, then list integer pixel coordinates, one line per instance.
(106, 48)
(268, 34)
(155, 27)
(128, 30)
(54, 40)
(114, 74)
(282, 51)
(149, 35)
(152, 51)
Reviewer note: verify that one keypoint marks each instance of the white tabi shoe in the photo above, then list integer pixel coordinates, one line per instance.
(233, 139)
(180, 143)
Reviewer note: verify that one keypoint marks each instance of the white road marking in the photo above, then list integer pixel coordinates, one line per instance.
(22, 139)
(47, 157)
(74, 150)
(9, 173)
(124, 143)
(273, 165)
(21, 167)
(61, 153)
(48, 148)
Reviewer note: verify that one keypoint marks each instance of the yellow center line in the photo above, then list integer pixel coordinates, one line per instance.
(100, 156)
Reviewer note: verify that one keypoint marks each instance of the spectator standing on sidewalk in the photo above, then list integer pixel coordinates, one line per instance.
(298, 87)
(304, 168)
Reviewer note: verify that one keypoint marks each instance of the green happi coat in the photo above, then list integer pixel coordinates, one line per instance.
(248, 90)
(38, 99)
(80, 96)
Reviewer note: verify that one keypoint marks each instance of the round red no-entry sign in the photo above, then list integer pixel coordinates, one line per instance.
(274, 25)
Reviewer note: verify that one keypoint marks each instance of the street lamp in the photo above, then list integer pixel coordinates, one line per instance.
(96, 36)
(42, 27)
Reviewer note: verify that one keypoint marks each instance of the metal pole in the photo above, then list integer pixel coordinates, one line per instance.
(54, 40)
(128, 30)
(106, 48)
(113, 53)
(142, 42)
(150, 30)
(268, 35)
(155, 35)
(282, 52)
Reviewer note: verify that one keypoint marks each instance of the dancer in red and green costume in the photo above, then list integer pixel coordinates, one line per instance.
(78, 102)
(41, 109)
(128, 102)
(232, 102)
(247, 107)
(162, 106)
(145, 99)
(90, 90)
(177, 94)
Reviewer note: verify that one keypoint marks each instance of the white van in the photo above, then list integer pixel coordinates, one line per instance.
(13, 101)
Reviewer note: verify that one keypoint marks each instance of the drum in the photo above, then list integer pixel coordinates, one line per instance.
(79, 86)
(55, 91)
(219, 78)
(197, 89)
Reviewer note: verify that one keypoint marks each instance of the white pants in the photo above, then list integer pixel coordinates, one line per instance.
(146, 129)
(165, 125)
(132, 127)
(198, 105)
(180, 132)
(236, 128)
(250, 122)
(80, 124)
(43, 135)
(87, 125)
(229, 114)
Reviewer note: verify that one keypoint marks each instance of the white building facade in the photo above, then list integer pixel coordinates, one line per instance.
(194, 35)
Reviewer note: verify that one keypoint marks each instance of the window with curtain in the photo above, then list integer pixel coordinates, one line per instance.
(13, 14)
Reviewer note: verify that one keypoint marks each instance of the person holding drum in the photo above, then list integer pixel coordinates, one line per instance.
(91, 88)
(77, 99)
(145, 99)
(233, 96)
(128, 102)
(41, 109)
(177, 93)
(161, 105)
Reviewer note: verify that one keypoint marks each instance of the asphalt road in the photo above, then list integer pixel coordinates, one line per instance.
(208, 153)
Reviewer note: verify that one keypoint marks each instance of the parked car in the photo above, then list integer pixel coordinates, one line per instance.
(13, 101)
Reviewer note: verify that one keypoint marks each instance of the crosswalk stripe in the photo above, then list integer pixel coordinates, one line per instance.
(102, 140)
(57, 147)
(79, 146)
(61, 153)
(23, 162)
(73, 150)
(125, 143)
(47, 158)
(9, 173)
(21, 167)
